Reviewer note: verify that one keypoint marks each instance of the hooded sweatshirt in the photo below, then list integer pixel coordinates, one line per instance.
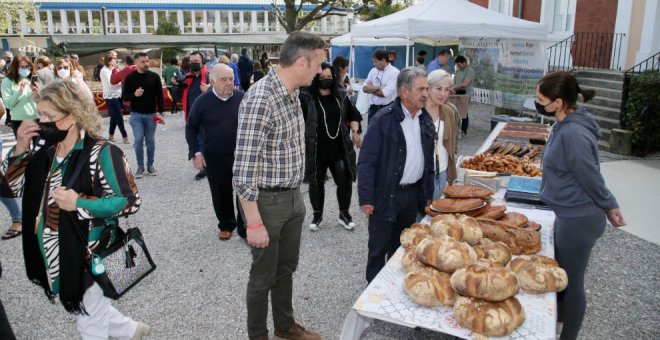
(572, 184)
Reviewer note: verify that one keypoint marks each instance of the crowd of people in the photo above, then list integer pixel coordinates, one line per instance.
(278, 127)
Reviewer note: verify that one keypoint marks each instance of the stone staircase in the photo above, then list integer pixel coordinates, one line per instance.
(606, 105)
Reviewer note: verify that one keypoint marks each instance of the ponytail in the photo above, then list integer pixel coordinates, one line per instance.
(587, 94)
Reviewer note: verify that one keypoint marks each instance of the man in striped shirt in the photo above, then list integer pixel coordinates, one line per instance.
(268, 170)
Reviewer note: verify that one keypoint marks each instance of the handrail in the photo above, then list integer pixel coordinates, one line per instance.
(595, 50)
(640, 67)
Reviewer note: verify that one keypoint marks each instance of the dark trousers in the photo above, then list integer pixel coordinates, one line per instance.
(245, 83)
(342, 177)
(384, 235)
(219, 173)
(272, 267)
(8, 116)
(465, 122)
(574, 238)
(116, 116)
(174, 101)
(372, 111)
(6, 333)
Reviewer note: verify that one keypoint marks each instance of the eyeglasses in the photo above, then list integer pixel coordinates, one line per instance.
(63, 67)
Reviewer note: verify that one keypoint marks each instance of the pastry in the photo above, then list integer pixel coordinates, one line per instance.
(515, 219)
(445, 254)
(466, 191)
(493, 251)
(489, 318)
(487, 281)
(539, 274)
(429, 287)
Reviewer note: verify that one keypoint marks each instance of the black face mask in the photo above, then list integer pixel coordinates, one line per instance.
(326, 84)
(51, 133)
(540, 108)
(195, 67)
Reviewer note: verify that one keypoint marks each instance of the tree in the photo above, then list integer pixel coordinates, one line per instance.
(11, 14)
(293, 18)
(383, 8)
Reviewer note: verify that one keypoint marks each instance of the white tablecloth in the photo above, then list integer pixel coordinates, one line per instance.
(385, 299)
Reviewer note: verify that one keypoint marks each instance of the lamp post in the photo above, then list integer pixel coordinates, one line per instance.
(103, 23)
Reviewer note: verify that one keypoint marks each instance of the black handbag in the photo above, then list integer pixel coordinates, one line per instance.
(123, 264)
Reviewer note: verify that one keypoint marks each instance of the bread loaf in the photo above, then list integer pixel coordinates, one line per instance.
(457, 204)
(461, 228)
(539, 274)
(410, 237)
(445, 254)
(491, 251)
(515, 219)
(493, 212)
(486, 281)
(429, 287)
(519, 240)
(466, 191)
(410, 262)
(489, 318)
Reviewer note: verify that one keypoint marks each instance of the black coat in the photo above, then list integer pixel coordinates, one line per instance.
(307, 102)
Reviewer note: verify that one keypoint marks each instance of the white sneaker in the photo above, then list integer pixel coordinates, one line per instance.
(346, 221)
(141, 330)
(316, 223)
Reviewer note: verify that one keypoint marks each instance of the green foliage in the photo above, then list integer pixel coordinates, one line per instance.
(168, 27)
(384, 8)
(11, 10)
(644, 96)
(169, 53)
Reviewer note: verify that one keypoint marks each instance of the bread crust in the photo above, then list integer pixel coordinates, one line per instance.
(539, 274)
(489, 318)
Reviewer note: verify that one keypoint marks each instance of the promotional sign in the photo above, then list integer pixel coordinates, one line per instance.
(506, 71)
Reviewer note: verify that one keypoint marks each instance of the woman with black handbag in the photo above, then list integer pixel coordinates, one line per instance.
(57, 218)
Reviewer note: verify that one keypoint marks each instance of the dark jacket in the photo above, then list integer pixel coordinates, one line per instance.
(383, 157)
(572, 184)
(310, 114)
(245, 67)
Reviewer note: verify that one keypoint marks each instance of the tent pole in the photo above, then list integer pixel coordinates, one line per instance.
(407, 50)
(351, 58)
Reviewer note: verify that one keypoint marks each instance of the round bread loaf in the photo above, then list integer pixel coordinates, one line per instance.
(494, 212)
(539, 274)
(410, 262)
(445, 254)
(486, 281)
(429, 287)
(489, 318)
(410, 237)
(515, 219)
(490, 251)
(462, 229)
(471, 230)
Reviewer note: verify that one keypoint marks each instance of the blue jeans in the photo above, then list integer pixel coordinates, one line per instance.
(144, 130)
(439, 184)
(116, 117)
(13, 208)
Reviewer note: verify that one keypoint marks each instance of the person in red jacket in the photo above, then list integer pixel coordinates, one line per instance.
(119, 76)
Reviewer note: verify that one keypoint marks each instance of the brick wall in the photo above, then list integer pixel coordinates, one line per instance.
(482, 3)
(531, 10)
(594, 25)
(595, 16)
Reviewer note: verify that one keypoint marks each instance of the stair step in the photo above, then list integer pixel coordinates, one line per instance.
(602, 111)
(605, 134)
(601, 83)
(600, 74)
(601, 92)
(604, 145)
(606, 102)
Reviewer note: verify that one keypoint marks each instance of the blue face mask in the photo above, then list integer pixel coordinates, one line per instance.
(24, 72)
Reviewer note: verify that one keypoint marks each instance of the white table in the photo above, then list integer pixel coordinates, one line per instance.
(384, 299)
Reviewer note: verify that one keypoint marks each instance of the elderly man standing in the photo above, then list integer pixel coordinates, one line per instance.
(380, 83)
(395, 167)
(215, 112)
(268, 171)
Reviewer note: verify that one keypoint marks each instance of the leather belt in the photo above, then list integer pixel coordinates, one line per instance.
(276, 189)
(407, 186)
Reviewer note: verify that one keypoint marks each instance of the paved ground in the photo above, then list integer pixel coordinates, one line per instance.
(198, 290)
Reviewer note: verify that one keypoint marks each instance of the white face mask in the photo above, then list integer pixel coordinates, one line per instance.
(24, 71)
(64, 73)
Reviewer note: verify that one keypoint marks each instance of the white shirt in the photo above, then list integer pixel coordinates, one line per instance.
(414, 168)
(443, 156)
(387, 79)
(109, 91)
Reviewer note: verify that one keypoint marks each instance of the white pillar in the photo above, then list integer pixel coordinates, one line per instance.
(90, 21)
(218, 23)
(179, 19)
(205, 20)
(37, 22)
(254, 23)
(335, 23)
(155, 16)
(649, 43)
(622, 25)
(76, 14)
(230, 21)
(129, 20)
(241, 21)
(22, 22)
(64, 27)
(277, 25)
(49, 19)
(143, 22)
(193, 23)
(117, 22)
(266, 23)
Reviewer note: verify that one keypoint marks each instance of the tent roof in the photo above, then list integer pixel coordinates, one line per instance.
(87, 43)
(433, 19)
(345, 40)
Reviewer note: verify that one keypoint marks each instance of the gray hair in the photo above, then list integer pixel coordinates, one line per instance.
(440, 78)
(407, 77)
(299, 44)
(217, 68)
(234, 58)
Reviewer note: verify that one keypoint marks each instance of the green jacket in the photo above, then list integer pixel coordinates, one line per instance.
(21, 105)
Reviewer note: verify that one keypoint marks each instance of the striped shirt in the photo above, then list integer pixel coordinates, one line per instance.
(270, 143)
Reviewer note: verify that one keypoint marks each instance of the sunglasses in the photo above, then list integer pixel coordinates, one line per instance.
(63, 67)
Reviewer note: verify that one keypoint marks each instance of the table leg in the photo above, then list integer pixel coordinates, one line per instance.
(354, 325)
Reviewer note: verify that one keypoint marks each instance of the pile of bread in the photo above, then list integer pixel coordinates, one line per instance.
(502, 164)
(466, 262)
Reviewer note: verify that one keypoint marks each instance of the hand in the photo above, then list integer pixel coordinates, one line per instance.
(139, 92)
(379, 92)
(204, 87)
(65, 199)
(28, 130)
(258, 238)
(34, 87)
(357, 140)
(367, 209)
(24, 84)
(199, 162)
(616, 218)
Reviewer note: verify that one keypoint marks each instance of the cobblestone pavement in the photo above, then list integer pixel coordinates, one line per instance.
(198, 289)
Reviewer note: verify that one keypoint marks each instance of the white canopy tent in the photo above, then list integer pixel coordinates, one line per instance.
(446, 19)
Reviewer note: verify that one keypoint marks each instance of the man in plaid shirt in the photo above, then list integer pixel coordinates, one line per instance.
(268, 170)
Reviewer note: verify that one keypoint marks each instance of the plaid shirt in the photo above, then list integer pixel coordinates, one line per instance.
(270, 143)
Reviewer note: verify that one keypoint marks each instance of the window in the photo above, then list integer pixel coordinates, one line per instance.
(187, 22)
(224, 22)
(210, 22)
(236, 24)
(57, 22)
(564, 18)
(272, 20)
(149, 21)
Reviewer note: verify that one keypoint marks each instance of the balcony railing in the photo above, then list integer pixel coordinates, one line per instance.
(593, 50)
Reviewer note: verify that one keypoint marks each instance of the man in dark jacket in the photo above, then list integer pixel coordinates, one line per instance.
(245, 68)
(395, 167)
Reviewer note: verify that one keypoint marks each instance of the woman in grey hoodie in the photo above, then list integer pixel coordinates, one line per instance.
(574, 188)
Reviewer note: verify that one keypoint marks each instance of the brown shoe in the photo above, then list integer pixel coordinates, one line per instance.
(111, 138)
(224, 235)
(296, 332)
(125, 140)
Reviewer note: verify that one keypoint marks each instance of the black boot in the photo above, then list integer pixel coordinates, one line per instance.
(346, 220)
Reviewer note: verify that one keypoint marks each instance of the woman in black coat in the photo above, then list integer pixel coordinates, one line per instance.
(332, 130)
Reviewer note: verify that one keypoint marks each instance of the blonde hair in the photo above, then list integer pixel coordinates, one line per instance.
(69, 98)
(223, 60)
(440, 77)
